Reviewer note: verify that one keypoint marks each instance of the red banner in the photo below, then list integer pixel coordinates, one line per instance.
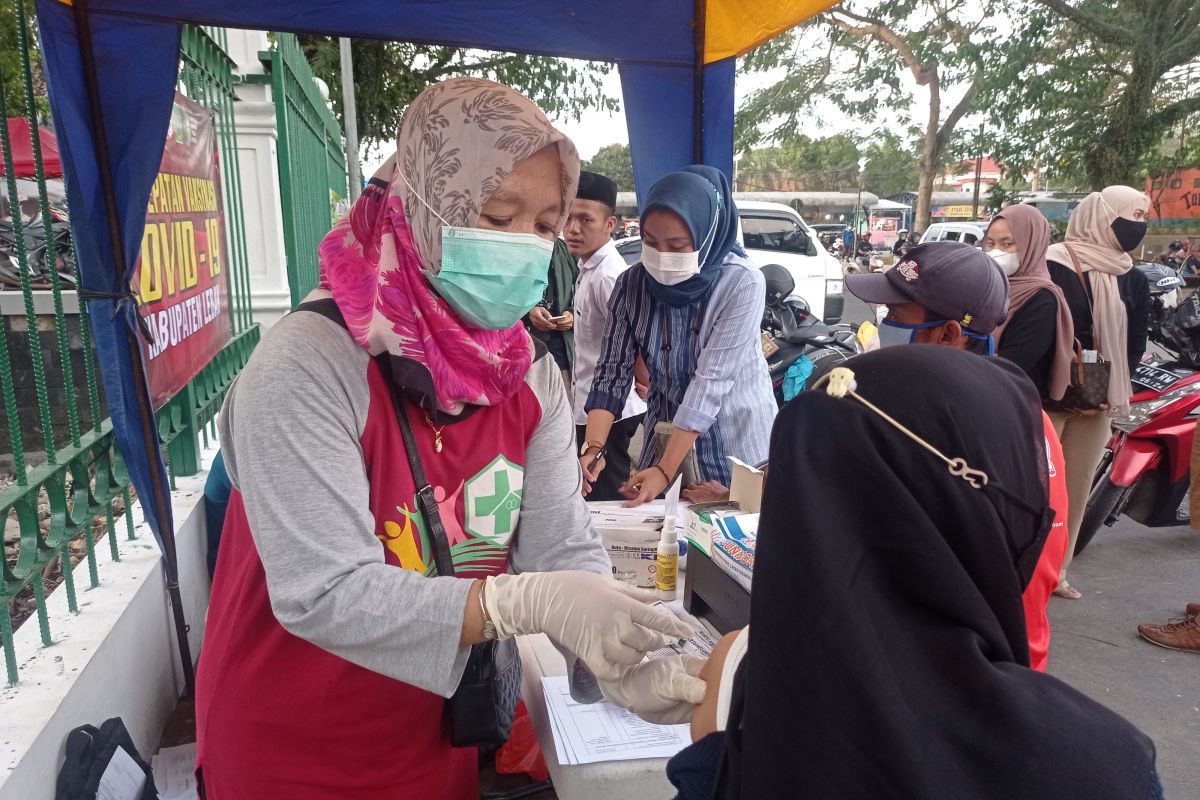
(181, 276)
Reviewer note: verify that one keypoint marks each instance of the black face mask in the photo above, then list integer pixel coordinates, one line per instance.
(1129, 232)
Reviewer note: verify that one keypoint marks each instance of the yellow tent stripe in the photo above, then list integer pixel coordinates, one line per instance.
(733, 27)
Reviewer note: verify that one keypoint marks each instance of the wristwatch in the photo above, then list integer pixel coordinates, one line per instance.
(588, 445)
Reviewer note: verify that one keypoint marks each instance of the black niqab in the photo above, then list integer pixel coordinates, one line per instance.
(888, 653)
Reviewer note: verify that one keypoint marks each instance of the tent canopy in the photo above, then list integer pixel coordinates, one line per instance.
(676, 60)
(22, 150)
(889, 205)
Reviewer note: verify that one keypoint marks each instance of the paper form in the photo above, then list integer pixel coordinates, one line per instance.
(585, 734)
(174, 772)
(122, 779)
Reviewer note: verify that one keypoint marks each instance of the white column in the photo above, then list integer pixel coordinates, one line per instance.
(258, 136)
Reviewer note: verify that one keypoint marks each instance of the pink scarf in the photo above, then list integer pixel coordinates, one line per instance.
(458, 141)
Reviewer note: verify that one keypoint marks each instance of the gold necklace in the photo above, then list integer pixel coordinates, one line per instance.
(437, 433)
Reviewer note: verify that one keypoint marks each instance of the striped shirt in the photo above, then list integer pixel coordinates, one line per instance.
(712, 379)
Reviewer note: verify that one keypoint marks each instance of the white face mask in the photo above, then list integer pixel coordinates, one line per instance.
(1009, 262)
(670, 268)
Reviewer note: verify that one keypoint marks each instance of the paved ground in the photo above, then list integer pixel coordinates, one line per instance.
(1133, 574)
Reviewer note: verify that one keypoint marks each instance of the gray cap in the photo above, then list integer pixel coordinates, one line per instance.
(953, 280)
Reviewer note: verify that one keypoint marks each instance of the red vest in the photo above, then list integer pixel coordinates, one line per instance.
(279, 717)
(1045, 574)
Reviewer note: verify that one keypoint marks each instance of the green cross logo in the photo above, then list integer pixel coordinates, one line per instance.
(492, 501)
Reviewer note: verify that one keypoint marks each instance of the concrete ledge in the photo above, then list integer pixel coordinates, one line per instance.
(12, 302)
(116, 657)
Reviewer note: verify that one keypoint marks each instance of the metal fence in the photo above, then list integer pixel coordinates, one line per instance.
(312, 161)
(62, 483)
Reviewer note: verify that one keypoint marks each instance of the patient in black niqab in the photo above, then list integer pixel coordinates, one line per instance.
(887, 654)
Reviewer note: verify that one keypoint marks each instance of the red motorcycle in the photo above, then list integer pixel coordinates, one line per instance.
(1145, 470)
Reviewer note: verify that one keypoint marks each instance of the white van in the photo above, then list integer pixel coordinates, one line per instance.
(967, 232)
(773, 233)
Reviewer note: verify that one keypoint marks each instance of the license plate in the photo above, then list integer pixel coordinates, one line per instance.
(1154, 378)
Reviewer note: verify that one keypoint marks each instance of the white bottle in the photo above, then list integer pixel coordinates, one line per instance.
(667, 564)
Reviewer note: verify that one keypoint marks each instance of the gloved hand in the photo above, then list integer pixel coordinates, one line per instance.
(595, 617)
(664, 691)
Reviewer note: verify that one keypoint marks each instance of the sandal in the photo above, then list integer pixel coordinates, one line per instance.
(1068, 591)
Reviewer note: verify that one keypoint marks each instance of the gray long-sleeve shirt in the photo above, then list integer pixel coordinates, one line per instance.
(290, 431)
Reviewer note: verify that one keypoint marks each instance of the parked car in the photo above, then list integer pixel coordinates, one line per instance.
(969, 232)
(773, 233)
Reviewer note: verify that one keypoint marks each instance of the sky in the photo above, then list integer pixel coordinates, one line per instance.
(595, 129)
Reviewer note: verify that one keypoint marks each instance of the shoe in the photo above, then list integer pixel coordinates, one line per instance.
(1192, 610)
(1183, 636)
(1068, 591)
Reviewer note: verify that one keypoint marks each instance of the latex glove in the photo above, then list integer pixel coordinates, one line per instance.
(664, 691)
(595, 617)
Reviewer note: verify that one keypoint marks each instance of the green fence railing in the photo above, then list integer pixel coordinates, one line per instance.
(62, 484)
(59, 469)
(312, 161)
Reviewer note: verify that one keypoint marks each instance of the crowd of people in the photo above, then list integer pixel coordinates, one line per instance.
(479, 358)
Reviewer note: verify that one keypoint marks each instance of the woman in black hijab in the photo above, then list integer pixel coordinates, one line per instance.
(888, 655)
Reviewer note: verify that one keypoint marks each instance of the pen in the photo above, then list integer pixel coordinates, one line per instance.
(596, 460)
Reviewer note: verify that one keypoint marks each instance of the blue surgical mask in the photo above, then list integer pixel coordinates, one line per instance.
(492, 278)
(893, 333)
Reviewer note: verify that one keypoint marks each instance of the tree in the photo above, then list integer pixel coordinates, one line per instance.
(389, 75)
(613, 161)
(858, 63)
(801, 164)
(1092, 88)
(891, 166)
(12, 80)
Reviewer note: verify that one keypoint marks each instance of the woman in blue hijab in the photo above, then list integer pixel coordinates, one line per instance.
(692, 309)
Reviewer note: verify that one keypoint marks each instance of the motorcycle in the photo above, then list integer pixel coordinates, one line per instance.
(1144, 473)
(37, 252)
(791, 331)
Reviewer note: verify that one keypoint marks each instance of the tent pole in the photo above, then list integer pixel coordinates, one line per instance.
(699, 9)
(145, 412)
(350, 119)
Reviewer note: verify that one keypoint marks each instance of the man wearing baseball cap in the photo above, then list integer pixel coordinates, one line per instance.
(940, 293)
(953, 294)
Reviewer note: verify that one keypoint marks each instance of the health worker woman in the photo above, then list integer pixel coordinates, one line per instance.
(332, 642)
(692, 309)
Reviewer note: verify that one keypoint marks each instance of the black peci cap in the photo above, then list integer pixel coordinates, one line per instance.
(598, 188)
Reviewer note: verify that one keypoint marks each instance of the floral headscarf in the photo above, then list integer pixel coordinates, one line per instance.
(457, 143)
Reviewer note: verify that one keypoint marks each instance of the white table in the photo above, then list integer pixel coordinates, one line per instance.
(644, 779)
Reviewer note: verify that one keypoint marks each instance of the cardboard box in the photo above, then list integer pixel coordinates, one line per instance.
(632, 549)
(710, 590)
(700, 522)
(746, 487)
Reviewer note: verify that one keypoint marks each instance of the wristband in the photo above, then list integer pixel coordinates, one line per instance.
(666, 477)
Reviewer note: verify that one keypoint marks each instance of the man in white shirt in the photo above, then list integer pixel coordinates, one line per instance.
(589, 238)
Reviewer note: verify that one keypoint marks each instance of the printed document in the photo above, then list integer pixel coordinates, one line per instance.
(585, 734)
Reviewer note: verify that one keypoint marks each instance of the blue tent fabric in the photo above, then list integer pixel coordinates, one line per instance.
(659, 108)
(136, 47)
(136, 116)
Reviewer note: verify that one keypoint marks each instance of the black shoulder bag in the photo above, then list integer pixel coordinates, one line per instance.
(482, 708)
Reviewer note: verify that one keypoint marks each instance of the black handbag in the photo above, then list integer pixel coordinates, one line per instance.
(482, 708)
(1088, 390)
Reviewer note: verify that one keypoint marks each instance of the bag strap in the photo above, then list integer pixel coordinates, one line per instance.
(1087, 294)
(426, 503)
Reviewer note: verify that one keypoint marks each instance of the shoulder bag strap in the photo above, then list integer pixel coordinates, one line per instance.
(426, 503)
(1087, 294)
